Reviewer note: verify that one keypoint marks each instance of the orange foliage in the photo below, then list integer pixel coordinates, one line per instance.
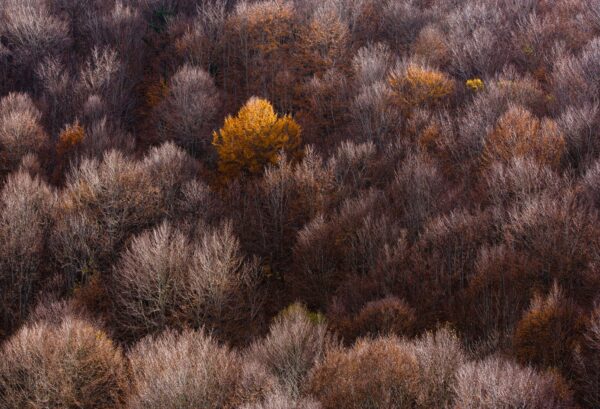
(373, 374)
(418, 86)
(549, 331)
(254, 138)
(519, 133)
(70, 138)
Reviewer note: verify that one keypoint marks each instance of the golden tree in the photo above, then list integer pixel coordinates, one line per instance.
(254, 137)
(416, 86)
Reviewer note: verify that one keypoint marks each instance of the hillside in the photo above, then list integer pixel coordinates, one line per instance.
(300, 204)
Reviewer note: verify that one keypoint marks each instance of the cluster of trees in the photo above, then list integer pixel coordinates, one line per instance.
(300, 204)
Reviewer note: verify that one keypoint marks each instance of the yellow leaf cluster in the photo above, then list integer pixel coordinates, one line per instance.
(420, 86)
(475, 84)
(253, 139)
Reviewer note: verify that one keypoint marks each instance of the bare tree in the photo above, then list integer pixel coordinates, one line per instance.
(186, 114)
(68, 364)
(496, 383)
(20, 130)
(223, 286)
(103, 203)
(27, 205)
(183, 371)
(295, 343)
(149, 281)
(32, 33)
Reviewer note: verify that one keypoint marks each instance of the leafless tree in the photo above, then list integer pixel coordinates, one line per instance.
(186, 114)
(32, 33)
(496, 383)
(295, 343)
(149, 281)
(184, 370)
(27, 205)
(20, 130)
(60, 365)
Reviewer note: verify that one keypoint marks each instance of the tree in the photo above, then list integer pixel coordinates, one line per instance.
(323, 42)
(297, 340)
(149, 281)
(103, 203)
(519, 133)
(20, 130)
(498, 384)
(259, 39)
(71, 364)
(445, 254)
(279, 400)
(372, 63)
(32, 33)
(375, 115)
(548, 331)
(253, 139)
(188, 370)
(417, 86)
(68, 145)
(27, 204)
(166, 280)
(387, 316)
(376, 373)
(587, 362)
(71, 136)
(185, 115)
(560, 237)
(439, 355)
(430, 45)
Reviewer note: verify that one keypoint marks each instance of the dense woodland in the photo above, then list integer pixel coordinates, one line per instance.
(300, 204)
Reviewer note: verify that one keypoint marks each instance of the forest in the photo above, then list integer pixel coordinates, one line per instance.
(299, 204)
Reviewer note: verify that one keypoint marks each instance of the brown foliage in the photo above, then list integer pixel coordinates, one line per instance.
(388, 316)
(258, 42)
(548, 331)
(69, 138)
(519, 133)
(378, 373)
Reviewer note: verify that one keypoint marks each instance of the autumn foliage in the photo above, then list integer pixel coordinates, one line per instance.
(300, 204)
(519, 134)
(253, 139)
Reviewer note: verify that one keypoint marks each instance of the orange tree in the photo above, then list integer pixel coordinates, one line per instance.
(520, 133)
(253, 139)
(417, 86)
